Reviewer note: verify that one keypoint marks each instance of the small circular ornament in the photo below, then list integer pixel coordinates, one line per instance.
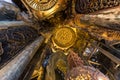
(64, 37)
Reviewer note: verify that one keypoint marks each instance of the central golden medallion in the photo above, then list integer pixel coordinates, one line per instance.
(64, 37)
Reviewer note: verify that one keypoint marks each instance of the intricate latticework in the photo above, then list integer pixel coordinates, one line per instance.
(104, 33)
(13, 40)
(80, 72)
(74, 60)
(85, 73)
(87, 6)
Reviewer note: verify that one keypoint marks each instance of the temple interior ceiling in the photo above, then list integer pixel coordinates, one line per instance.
(60, 40)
